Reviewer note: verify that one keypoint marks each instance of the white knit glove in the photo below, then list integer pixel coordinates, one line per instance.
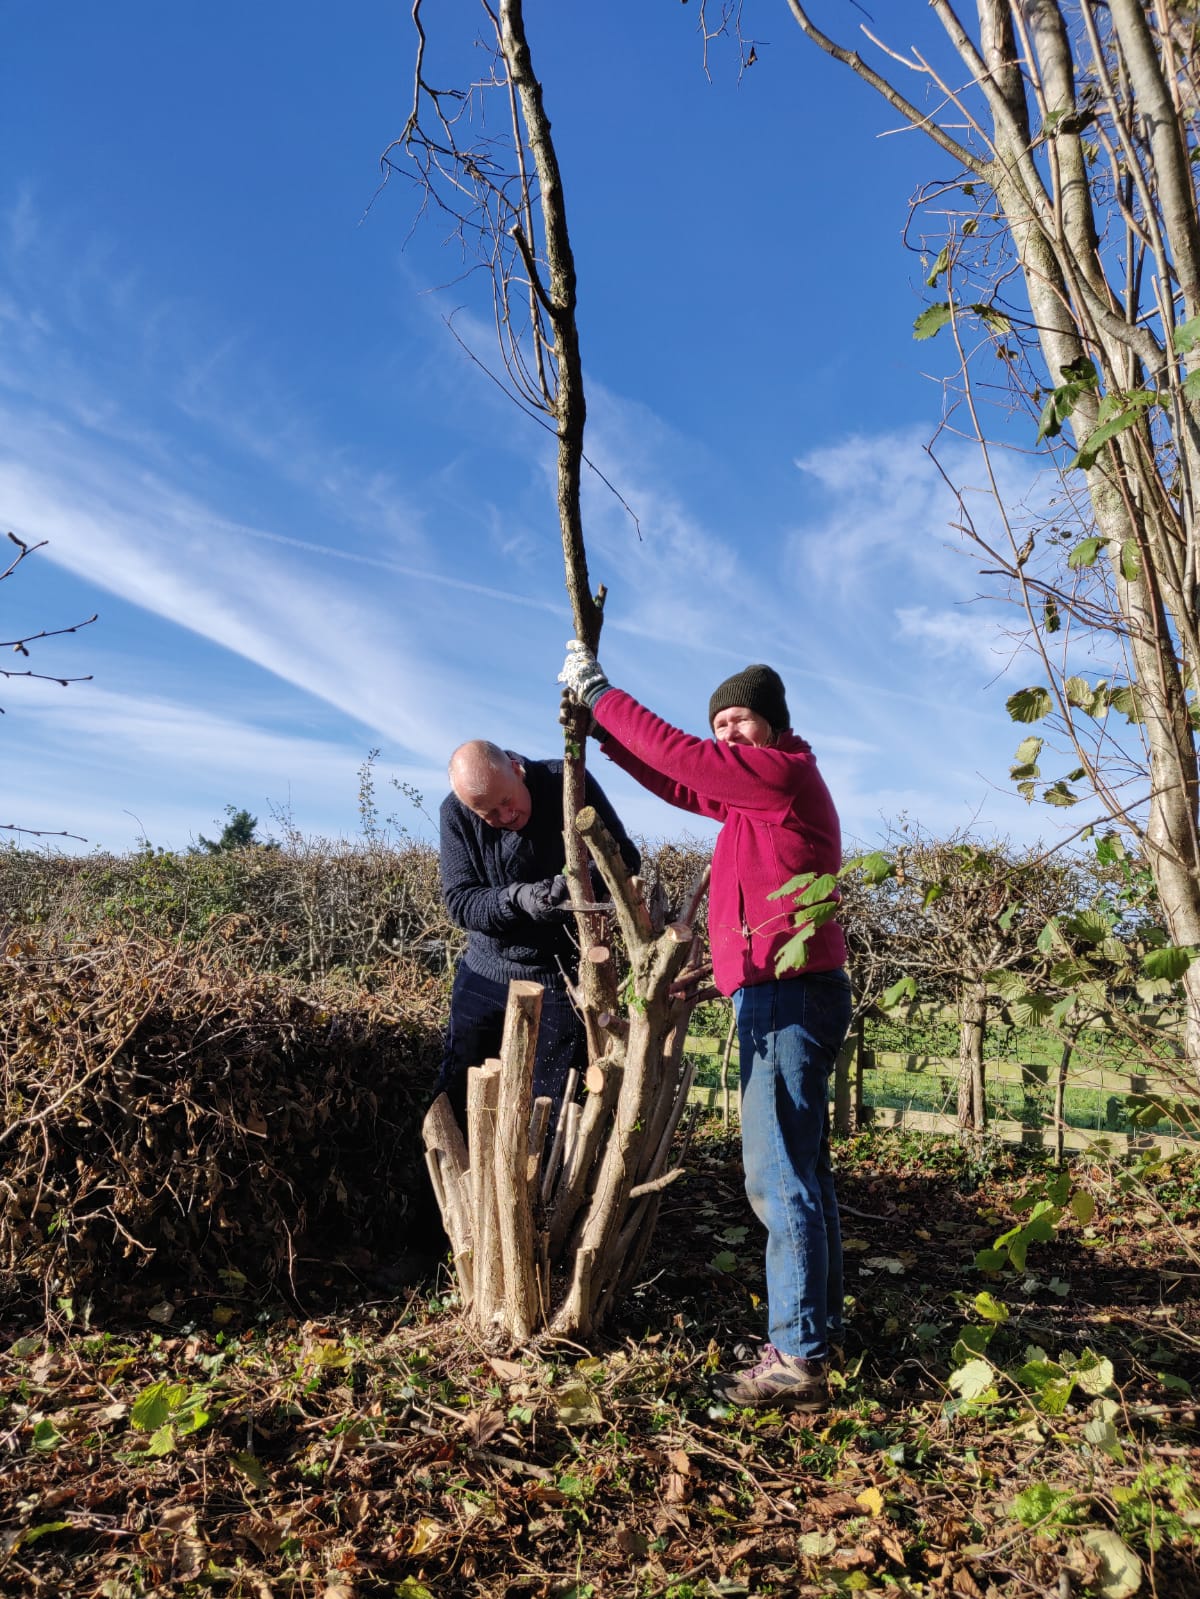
(583, 674)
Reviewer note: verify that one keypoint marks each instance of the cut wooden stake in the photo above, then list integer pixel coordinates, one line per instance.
(446, 1157)
(560, 1132)
(483, 1093)
(510, 1156)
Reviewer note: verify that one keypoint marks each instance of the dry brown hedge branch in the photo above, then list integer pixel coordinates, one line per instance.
(169, 1115)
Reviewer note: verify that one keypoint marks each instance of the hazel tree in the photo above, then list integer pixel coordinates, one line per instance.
(1062, 256)
(549, 1225)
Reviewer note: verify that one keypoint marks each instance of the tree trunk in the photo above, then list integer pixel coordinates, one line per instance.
(1061, 187)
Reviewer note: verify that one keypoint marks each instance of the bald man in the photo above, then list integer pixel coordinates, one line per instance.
(502, 862)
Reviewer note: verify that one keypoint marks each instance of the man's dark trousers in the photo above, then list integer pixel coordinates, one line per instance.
(477, 1006)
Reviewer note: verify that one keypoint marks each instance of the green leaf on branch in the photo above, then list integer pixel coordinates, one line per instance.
(1132, 406)
(1191, 385)
(939, 266)
(819, 889)
(931, 895)
(906, 988)
(1029, 704)
(1081, 373)
(1059, 794)
(1126, 700)
(1170, 962)
(1131, 561)
(794, 885)
(1049, 423)
(1085, 553)
(1080, 376)
(932, 320)
(793, 955)
(1090, 927)
(1187, 335)
(992, 319)
(1050, 938)
(875, 868)
(1031, 1010)
(1051, 620)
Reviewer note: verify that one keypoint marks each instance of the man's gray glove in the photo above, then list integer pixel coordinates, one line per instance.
(583, 674)
(541, 901)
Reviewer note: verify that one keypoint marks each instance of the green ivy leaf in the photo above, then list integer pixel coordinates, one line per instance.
(1051, 620)
(1187, 335)
(1131, 561)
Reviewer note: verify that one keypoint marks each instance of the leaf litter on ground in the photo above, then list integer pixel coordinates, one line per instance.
(378, 1447)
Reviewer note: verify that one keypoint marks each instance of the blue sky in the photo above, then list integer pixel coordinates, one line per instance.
(312, 527)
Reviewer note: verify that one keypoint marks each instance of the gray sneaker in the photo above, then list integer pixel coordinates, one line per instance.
(779, 1382)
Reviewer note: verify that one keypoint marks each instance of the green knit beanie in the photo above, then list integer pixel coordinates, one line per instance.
(759, 689)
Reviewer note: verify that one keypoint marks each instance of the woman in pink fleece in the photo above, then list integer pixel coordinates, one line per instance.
(757, 778)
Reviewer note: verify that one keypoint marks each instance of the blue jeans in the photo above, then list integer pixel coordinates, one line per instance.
(789, 1034)
(477, 1006)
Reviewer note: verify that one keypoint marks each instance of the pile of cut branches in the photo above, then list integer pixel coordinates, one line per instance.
(167, 1114)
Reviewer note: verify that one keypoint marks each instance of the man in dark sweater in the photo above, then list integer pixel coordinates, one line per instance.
(502, 861)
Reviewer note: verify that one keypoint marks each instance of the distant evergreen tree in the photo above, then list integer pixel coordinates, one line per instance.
(238, 833)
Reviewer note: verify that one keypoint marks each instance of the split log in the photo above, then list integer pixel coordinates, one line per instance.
(483, 1097)
(511, 1155)
(446, 1157)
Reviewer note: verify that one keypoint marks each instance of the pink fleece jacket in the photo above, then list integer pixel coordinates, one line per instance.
(778, 819)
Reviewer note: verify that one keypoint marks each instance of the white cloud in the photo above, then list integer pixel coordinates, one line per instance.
(969, 631)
